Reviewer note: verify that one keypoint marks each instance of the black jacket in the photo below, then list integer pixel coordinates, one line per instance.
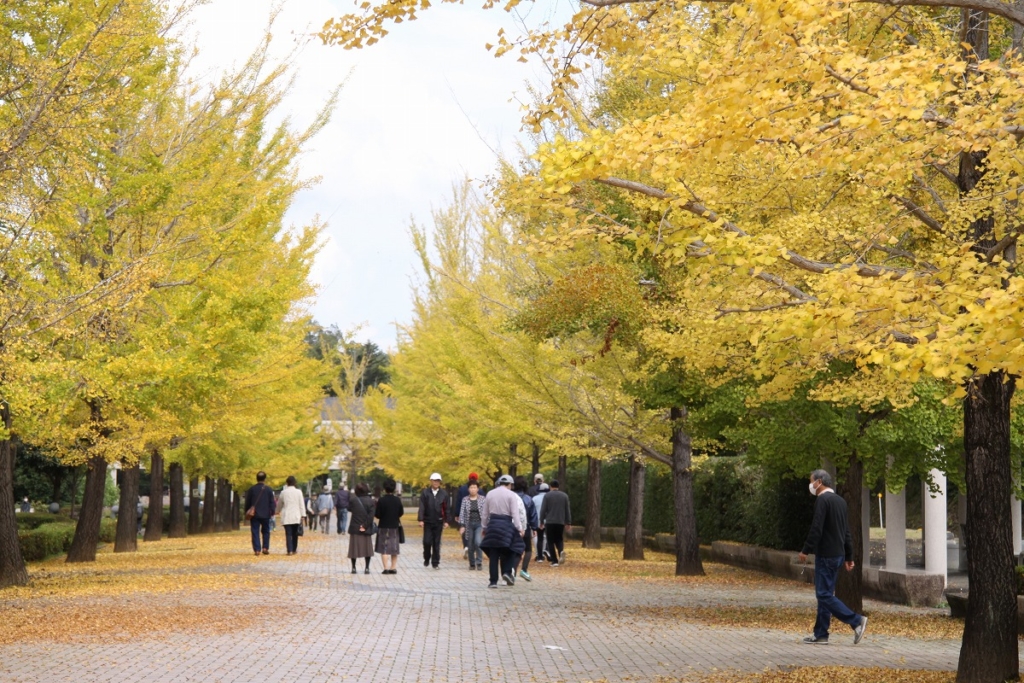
(433, 508)
(830, 532)
(361, 508)
(341, 499)
(389, 511)
(262, 496)
(555, 508)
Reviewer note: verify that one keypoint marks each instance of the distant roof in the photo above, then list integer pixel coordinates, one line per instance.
(331, 408)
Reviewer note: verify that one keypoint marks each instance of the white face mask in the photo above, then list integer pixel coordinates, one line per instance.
(813, 490)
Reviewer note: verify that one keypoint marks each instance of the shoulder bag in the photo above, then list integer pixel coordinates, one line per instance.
(251, 512)
(372, 528)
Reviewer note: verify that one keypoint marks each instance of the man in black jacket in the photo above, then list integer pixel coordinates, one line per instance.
(832, 545)
(341, 499)
(260, 497)
(433, 519)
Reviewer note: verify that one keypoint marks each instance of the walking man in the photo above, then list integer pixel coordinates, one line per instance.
(324, 505)
(555, 516)
(538, 501)
(538, 479)
(259, 508)
(341, 498)
(832, 545)
(503, 531)
(433, 519)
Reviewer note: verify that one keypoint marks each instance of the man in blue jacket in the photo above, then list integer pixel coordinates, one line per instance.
(832, 545)
(341, 498)
(259, 508)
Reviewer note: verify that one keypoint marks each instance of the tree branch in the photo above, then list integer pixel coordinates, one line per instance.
(920, 214)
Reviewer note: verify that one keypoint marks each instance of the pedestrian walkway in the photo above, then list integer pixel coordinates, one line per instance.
(446, 626)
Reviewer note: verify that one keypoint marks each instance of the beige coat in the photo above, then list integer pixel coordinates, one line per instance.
(291, 506)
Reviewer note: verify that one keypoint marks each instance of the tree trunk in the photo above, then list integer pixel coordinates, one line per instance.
(177, 483)
(193, 506)
(12, 565)
(564, 485)
(209, 506)
(155, 523)
(687, 544)
(87, 531)
(633, 549)
(989, 650)
(223, 520)
(534, 461)
(126, 539)
(592, 529)
(57, 481)
(850, 586)
(75, 476)
(236, 511)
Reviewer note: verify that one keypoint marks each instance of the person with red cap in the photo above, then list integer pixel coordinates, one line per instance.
(460, 495)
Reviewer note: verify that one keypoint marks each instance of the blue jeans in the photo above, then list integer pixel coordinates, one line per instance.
(258, 525)
(472, 538)
(342, 520)
(826, 569)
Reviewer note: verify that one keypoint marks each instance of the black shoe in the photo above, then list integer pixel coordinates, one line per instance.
(508, 579)
(426, 563)
(354, 570)
(814, 640)
(366, 571)
(266, 552)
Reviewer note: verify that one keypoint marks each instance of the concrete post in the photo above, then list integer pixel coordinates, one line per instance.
(934, 505)
(896, 530)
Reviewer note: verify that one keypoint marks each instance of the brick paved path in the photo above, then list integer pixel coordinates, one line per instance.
(446, 626)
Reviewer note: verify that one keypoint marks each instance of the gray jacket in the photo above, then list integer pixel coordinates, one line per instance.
(555, 508)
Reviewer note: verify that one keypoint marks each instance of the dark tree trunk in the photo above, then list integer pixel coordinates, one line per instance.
(534, 461)
(687, 544)
(561, 472)
(513, 458)
(75, 476)
(177, 483)
(126, 538)
(193, 506)
(989, 650)
(155, 523)
(12, 565)
(850, 586)
(57, 481)
(236, 511)
(592, 529)
(87, 531)
(223, 521)
(209, 506)
(633, 549)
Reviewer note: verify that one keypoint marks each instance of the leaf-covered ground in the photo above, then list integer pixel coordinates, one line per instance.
(116, 597)
(833, 674)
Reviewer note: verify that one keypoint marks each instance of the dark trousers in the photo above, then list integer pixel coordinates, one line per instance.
(260, 527)
(826, 570)
(500, 558)
(528, 553)
(540, 544)
(291, 537)
(556, 543)
(342, 520)
(432, 542)
(325, 523)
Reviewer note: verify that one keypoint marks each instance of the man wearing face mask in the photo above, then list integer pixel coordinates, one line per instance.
(830, 542)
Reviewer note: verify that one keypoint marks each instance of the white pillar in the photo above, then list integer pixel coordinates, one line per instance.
(896, 530)
(1015, 517)
(935, 526)
(865, 525)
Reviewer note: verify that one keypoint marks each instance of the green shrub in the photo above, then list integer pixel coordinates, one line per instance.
(46, 540)
(108, 530)
(33, 520)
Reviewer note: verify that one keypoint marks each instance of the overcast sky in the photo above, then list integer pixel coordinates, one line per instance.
(420, 111)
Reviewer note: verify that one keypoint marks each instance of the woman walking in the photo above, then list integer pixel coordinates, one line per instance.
(469, 519)
(360, 529)
(292, 509)
(389, 512)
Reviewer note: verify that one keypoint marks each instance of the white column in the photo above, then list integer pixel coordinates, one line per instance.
(896, 530)
(935, 526)
(865, 525)
(1015, 517)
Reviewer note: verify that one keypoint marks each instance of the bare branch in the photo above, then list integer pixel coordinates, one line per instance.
(848, 81)
(920, 214)
(1002, 245)
(757, 309)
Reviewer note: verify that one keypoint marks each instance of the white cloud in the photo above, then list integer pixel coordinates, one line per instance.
(408, 125)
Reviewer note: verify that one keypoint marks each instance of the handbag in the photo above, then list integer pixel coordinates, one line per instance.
(299, 533)
(401, 533)
(251, 512)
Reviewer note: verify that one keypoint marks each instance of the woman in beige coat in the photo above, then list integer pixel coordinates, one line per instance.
(292, 509)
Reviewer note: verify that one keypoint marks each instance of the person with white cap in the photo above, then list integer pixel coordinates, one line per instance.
(503, 530)
(433, 519)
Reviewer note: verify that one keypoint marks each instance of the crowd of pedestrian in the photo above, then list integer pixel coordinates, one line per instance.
(511, 524)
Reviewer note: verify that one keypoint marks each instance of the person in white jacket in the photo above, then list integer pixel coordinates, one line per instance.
(291, 507)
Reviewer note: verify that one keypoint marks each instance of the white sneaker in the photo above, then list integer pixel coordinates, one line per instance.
(858, 632)
(465, 553)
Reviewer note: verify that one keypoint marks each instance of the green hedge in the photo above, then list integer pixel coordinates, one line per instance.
(33, 520)
(734, 502)
(46, 540)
